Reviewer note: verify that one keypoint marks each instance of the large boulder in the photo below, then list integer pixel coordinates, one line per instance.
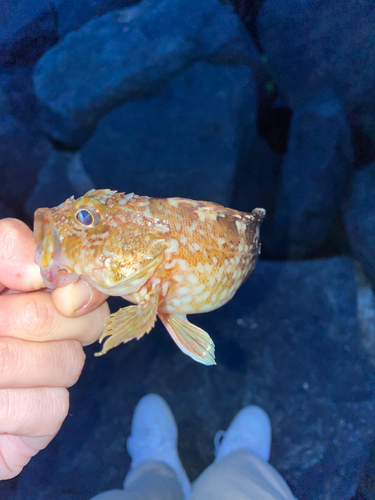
(313, 43)
(256, 183)
(359, 217)
(183, 142)
(128, 54)
(289, 341)
(23, 150)
(27, 29)
(314, 176)
(72, 14)
(61, 176)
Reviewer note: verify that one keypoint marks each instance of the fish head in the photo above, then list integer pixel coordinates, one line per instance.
(97, 239)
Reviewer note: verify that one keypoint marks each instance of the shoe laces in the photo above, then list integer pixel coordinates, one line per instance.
(218, 439)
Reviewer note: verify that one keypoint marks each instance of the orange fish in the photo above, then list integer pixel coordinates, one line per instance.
(171, 257)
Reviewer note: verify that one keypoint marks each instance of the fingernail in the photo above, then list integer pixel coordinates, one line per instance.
(81, 296)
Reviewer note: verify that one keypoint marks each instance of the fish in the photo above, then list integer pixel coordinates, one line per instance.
(169, 257)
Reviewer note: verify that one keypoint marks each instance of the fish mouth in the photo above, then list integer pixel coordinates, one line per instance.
(48, 252)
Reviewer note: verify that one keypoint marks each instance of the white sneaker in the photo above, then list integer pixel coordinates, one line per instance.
(154, 437)
(251, 429)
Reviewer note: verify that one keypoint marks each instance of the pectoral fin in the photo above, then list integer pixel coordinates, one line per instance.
(129, 323)
(192, 340)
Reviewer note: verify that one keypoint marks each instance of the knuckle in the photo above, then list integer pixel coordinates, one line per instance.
(37, 320)
(9, 233)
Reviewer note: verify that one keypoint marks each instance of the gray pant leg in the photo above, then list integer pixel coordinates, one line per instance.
(151, 480)
(241, 475)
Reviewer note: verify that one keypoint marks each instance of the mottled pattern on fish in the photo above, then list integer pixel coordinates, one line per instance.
(171, 257)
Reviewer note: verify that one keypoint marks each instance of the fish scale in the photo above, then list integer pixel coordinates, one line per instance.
(169, 256)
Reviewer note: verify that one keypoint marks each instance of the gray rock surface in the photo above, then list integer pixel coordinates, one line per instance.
(27, 29)
(359, 219)
(72, 14)
(23, 150)
(314, 176)
(14, 20)
(60, 177)
(289, 341)
(313, 43)
(128, 54)
(21, 101)
(256, 183)
(366, 312)
(185, 141)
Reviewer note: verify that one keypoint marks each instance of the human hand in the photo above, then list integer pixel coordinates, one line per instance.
(41, 337)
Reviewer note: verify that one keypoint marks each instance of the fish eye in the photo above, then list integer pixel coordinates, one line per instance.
(87, 217)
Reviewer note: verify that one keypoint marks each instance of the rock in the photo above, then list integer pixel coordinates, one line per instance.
(26, 31)
(183, 142)
(256, 183)
(359, 217)
(289, 341)
(314, 175)
(311, 44)
(23, 149)
(72, 15)
(366, 313)
(61, 177)
(129, 54)
(22, 103)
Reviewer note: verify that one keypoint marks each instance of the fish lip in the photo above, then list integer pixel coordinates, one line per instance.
(48, 252)
(56, 277)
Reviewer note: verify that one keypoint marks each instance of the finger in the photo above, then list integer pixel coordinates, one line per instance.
(32, 316)
(18, 270)
(77, 298)
(16, 451)
(29, 419)
(39, 364)
(36, 411)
